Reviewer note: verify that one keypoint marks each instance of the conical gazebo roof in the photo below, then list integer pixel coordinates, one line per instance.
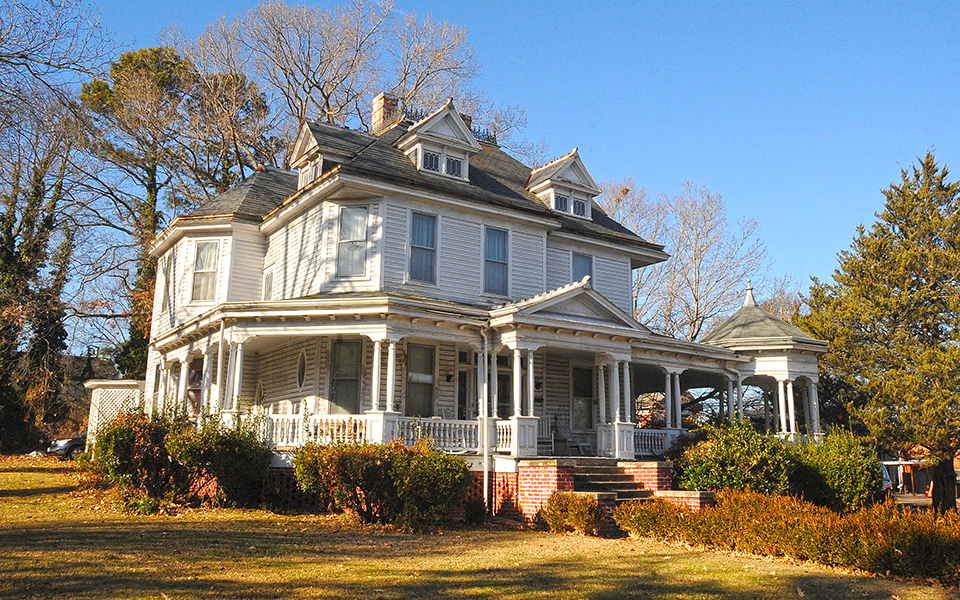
(753, 327)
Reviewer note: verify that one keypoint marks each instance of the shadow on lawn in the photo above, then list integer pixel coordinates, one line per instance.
(119, 559)
(36, 491)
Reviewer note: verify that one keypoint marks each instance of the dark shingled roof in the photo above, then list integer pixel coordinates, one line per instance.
(496, 178)
(753, 323)
(255, 195)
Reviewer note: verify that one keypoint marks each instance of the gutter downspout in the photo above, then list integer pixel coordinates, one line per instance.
(484, 422)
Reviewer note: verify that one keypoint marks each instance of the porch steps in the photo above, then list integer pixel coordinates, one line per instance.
(603, 475)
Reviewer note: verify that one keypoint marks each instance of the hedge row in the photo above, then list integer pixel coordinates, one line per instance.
(881, 538)
(413, 487)
(841, 472)
(568, 512)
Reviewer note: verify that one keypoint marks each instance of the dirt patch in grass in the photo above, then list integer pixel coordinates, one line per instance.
(60, 542)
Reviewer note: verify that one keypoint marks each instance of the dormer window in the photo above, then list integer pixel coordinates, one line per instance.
(431, 161)
(580, 208)
(454, 167)
(310, 171)
(561, 203)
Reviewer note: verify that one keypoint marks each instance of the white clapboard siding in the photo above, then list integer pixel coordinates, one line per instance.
(558, 267)
(612, 278)
(244, 284)
(557, 390)
(460, 261)
(278, 370)
(526, 265)
(394, 245)
(446, 391)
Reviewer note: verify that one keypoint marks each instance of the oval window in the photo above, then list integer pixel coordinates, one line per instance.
(302, 369)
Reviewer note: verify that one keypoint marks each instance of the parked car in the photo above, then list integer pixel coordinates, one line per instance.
(68, 448)
(887, 482)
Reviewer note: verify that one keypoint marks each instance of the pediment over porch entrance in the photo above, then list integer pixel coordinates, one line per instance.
(576, 305)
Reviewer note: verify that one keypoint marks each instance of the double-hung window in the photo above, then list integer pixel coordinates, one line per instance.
(423, 248)
(352, 242)
(582, 266)
(205, 272)
(495, 262)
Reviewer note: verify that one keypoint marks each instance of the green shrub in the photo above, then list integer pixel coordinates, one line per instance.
(882, 538)
(132, 450)
(429, 483)
(474, 511)
(236, 456)
(385, 483)
(841, 472)
(568, 511)
(739, 458)
(356, 476)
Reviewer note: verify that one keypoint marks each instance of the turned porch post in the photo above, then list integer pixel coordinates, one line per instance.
(375, 376)
(517, 383)
(627, 393)
(615, 389)
(530, 383)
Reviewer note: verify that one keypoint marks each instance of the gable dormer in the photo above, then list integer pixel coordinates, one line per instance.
(441, 143)
(311, 158)
(565, 185)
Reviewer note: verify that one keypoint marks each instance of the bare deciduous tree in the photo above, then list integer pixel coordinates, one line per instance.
(710, 261)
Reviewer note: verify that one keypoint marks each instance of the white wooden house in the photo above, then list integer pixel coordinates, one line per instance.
(418, 281)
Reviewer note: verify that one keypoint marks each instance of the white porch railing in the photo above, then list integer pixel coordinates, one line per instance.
(654, 442)
(445, 434)
(504, 436)
(336, 429)
(283, 430)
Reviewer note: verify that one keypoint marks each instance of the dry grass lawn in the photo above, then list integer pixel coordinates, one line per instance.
(57, 542)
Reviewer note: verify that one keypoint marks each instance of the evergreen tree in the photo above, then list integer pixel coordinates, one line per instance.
(892, 317)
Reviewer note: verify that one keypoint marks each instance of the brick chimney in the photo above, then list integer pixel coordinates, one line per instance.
(385, 111)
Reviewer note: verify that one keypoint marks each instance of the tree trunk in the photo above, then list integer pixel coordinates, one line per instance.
(944, 486)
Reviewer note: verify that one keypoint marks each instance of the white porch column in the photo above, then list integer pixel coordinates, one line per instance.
(677, 402)
(375, 376)
(782, 404)
(729, 399)
(182, 387)
(482, 382)
(238, 377)
(602, 391)
(530, 383)
(807, 410)
(517, 383)
(791, 407)
(815, 403)
(739, 400)
(205, 399)
(627, 393)
(391, 376)
(615, 390)
(668, 401)
(221, 352)
(494, 383)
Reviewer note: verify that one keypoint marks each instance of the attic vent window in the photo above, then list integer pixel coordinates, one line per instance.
(454, 167)
(580, 208)
(431, 161)
(561, 203)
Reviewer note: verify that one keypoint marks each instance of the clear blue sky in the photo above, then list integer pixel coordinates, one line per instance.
(798, 113)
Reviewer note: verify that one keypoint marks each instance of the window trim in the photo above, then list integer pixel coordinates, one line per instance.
(215, 271)
(573, 208)
(166, 300)
(573, 256)
(436, 248)
(507, 242)
(366, 243)
(423, 160)
(436, 373)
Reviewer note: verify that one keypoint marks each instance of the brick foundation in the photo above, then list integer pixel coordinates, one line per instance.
(654, 475)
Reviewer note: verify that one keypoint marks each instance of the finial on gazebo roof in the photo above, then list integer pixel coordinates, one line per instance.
(749, 300)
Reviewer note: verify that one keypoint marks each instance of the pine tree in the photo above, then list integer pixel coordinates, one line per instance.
(892, 316)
